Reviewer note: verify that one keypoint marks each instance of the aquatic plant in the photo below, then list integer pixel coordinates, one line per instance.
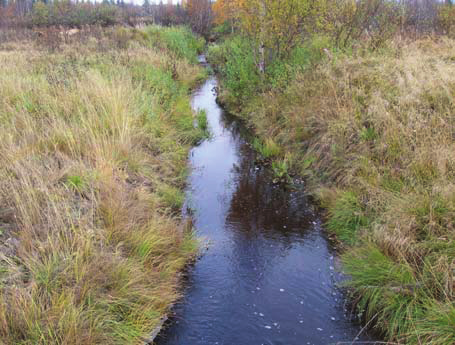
(202, 122)
(267, 149)
(281, 171)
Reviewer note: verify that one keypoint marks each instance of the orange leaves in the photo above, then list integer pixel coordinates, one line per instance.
(227, 11)
(220, 11)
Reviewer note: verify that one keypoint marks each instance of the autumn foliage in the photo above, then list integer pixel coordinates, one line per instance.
(200, 15)
(226, 11)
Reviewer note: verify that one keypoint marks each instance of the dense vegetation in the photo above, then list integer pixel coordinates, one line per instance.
(95, 125)
(365, 111)
(94, 136)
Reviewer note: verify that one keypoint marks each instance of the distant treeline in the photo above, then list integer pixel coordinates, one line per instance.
(32, 13)
(358, 16)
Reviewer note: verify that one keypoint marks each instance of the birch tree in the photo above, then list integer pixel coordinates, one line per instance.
(275, 27)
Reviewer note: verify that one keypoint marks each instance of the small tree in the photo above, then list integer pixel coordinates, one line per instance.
(200, 15)
(275, 27)
(446, 18)
(146, 6)
(40, 14)
(226, 12)
(371, 20)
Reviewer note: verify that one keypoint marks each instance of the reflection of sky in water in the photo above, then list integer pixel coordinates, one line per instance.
(267, 277)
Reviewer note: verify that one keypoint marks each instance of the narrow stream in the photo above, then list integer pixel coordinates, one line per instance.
(267, 276)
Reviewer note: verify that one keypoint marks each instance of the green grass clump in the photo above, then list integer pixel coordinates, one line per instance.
(368, 134)
(202, 125)
(76, 182)
(202, 122)
(346, 217)
(389, 292)
(437, 326)
(172, 197)
(280, 169)
(378, 270)
(267, 149)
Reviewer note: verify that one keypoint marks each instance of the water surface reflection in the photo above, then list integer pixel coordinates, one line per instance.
(268, 275)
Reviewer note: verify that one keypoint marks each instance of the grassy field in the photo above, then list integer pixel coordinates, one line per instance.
(373, 132)
(94, 135)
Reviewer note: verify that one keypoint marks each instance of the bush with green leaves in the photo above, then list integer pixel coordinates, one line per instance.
(240, 74)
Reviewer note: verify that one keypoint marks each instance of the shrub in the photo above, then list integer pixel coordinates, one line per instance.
(281, 71)
(215, 55)
(446, 18)
(240, 74)
(67, 14)
(375, 21)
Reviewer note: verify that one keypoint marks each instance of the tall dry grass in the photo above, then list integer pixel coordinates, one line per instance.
(93, 145)
(374, 133)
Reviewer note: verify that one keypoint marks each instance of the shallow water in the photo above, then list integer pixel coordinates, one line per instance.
(268, 274)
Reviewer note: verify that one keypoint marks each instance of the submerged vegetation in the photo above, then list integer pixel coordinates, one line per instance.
(94, 135)
(369, 121)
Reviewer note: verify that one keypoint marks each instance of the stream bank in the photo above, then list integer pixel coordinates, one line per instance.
(269, 274)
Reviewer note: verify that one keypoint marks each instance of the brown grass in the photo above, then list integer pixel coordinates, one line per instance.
(89, 249)
(374, 133)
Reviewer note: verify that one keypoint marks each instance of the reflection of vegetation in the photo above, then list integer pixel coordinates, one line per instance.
(257, 205)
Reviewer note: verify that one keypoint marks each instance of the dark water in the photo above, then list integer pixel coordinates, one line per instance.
(268, 274)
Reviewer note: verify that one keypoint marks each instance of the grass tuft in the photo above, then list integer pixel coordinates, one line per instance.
(346, 217)
(267, 149)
